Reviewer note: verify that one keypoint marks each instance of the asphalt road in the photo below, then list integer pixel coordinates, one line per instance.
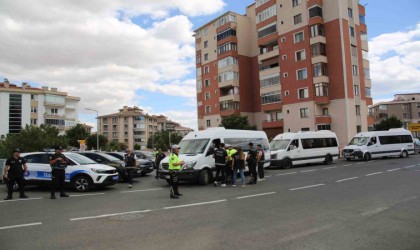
(347, 205)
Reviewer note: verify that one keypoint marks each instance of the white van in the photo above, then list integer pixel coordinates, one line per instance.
(368, 145)
(197, 152)
(291, 149)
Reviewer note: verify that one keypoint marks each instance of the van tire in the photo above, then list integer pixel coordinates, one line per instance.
(287, 163)
(81, 183)
(348, 159)
(404, 154)
(204, 177)
(328, 160)
(367, 157)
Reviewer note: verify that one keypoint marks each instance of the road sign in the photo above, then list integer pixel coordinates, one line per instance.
(414, 127)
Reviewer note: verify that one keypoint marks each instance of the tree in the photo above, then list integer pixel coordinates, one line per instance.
(237, 122)
(161, 139)
(137, 147)
(91, 141)
(388, 123)
(112, 146)
(75, 134)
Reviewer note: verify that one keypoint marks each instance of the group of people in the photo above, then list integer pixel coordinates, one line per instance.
(230, 161)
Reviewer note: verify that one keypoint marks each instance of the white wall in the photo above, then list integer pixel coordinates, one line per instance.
(4, 113)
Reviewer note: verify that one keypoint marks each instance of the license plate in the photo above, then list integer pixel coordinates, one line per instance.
(115, 178)
(347, 154)
(138, 171)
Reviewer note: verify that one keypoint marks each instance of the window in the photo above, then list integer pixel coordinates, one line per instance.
(207, 96)
(296, 2)
(199, 85)
(208, 109)
(227, 62)
(205, 31)
(363, 36)
(356, 90)
(303, 93)
(229, 105)
(260, 2)
(362, 19)
(297, 19)
(352, 31)
(225, 34)
(323, 127)
(226, 19)
(15, 113)
(266, 14)
(359, 129)
(304, 113)
(54, 111)
(265, 31)
(318, 50)
(300, 55)
(319, 143)
(395, 139)
(367, 73)
(206, 44)
(406, 106)
(365, 55)
(37, 158)
(206, 70)
(271, 97)
(317, 30)
(325, 112)
(299, 37)
(198, 72)
(226, 47)
(227, 76)
(302, 74)
(320, 69)
(383, 107)
(350, 12)
(357, 109)
(33, 121)
(368, 92)
(34, 109)
(353, 50)
(321, 89)
(207, 83)
(198, 59)
(315, 11)
(270, 80)
(206, 57)
(354, 70)
(406, 115)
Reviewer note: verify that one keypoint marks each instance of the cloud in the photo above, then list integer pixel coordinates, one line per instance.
(394, 63)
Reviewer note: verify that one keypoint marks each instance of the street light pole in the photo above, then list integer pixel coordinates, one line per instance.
(97, 127)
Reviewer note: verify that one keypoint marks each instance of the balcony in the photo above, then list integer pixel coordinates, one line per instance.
(232, 97)
(272, 106)
(268, 39)
(322, 100)
(230, 83)
(228, 108)
(311, 3)
(270, 124)
(319, 59)
(53, 116)
(318, 39)
(53, 104)
(268, 55)
(270, 71)
(322, 119)
(321, 79)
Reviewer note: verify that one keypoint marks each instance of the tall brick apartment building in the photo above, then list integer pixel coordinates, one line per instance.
(289, 65)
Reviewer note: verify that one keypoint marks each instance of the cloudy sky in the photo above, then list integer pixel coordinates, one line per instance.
(141, 52)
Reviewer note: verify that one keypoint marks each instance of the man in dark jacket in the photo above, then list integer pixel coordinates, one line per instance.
(252, 163)
(158, 158)
(14, 170)
(58, 163)
(220, 157)
(130, 165)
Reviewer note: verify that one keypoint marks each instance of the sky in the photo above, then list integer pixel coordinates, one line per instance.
(141, 52)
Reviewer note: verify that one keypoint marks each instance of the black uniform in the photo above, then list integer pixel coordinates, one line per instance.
(130, 164)
(261, 164)
(159, 158)
(58, 173)
(252, 164)
(220, 155)
(15, 174)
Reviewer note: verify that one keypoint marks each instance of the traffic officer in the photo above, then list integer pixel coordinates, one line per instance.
(14, 170)
(130, 166)
(158, 158)
(220, 156)
(260, 162)
(229, 172)
(175, 165)
(252, 163)
(58, 163)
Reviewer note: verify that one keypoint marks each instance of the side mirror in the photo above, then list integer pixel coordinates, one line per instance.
(370, 143)
(210, 152)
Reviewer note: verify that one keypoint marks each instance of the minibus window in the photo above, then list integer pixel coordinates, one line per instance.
(196, 146)
(359, 141)
(279, 144)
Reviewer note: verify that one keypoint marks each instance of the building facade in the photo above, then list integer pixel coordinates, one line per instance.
(25, 105)
(132, 126)
(292, 65)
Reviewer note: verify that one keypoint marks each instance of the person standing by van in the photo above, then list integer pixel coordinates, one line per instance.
(14, 170)
(175, 165)
(229, 173)
(158, 158)
(130, 165)
(58, 163)
(252, 163)
(238, 164)
(261, 161)
(220, 157)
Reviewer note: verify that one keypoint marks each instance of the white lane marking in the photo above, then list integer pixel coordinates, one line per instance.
(195, 204)
(306, 171)
(373, 174)
(375, 211)
(360, 163)
(268, 176)
(141, 190)
(347, 179)
(299, 188)
(28, 199)
(109, 215)
(81, 195)
(412, 166)
(347, 165)
(23, 225)
(329, 167)
(286, 174)
(392, 170)
(254, 195)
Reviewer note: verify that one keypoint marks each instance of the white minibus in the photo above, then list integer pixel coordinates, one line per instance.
(368, 145)
(197, 152)
(291, 149)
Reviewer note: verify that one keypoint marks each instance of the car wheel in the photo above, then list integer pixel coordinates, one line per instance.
(404, 154)
(348, 159)
(204, 177)
(82, 183)
(328, 160)
(367, 157)
(287, 164)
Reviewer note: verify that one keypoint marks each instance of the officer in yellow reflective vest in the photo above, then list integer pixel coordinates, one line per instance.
(229, 172)
(175, 166)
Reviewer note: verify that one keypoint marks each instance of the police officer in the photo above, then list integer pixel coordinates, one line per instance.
(158, 158)
(14, 170)
(261, 161)
(130, 166)
(229, 172)
(175, 165)
(252, 163)
(58, 163)
(220, 156)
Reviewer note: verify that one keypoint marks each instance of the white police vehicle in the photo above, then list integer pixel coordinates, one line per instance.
(82, 173)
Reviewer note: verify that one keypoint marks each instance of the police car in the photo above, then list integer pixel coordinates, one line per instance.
(81, 174)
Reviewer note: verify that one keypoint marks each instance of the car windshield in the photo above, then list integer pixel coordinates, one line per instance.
(279, 144)
(108, 157)
(196, 146)
(117, 155)
(80, 159)
(359, 141)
